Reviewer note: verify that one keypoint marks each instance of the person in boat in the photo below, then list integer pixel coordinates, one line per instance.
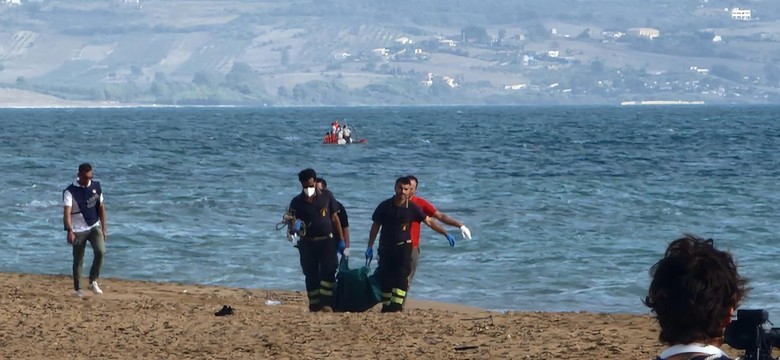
(339, 135)
(326, 139)
(693, 294)
(347, 134)
(334, 126)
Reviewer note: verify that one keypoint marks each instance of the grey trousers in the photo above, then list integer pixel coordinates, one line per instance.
(415, 260)
(95, 237)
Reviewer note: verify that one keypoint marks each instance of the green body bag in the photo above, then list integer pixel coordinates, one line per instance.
(356, 290)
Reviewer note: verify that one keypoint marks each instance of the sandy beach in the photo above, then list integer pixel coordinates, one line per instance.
(135, 319)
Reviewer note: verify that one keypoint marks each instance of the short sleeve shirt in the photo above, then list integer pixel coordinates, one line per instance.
(428, 209)
(78, 223)
(396, 221)
(316, 215)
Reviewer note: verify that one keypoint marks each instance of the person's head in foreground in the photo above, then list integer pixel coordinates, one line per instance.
(693, 294)
(321, 184)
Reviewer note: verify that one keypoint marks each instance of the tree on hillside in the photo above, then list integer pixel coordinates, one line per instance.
(21, 83)
(203, 78)
(160, 76)
(121, 92)
(243, 79)
(725, 72)
(536, 31)
(136, 71)
(320, 92)
(475, 34)
(162, 89)
(239, 73)
(285, 57)
(597, 67)
(772, 74)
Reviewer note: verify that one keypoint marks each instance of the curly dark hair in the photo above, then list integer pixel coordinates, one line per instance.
(694, 289)
(306, 174)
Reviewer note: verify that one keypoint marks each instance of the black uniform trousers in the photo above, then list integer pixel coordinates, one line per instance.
(319, 262)
(395, 265)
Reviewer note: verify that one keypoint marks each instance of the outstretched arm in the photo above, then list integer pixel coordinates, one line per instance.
(433, 224)
(450, 221)
(447, 219)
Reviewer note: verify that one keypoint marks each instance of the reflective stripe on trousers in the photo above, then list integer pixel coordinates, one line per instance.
(326, 288)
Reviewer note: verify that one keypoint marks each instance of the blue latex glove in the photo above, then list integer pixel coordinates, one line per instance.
(451, 239)
(369, 253)
(342, 246)
(297, 227)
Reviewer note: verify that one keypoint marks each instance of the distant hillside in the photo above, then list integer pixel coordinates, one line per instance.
(25, 99)
(390, 52)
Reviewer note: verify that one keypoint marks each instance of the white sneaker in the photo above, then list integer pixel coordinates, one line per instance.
(95, 288)
(78, 293)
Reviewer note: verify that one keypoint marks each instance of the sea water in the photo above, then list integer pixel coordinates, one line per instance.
(569, 206)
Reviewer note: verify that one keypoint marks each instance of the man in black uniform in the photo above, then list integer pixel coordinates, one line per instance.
(394, 217)
(343, 244)
(318, 213)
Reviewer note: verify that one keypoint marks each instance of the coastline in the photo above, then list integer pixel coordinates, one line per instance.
(662, 102)
(155, 320)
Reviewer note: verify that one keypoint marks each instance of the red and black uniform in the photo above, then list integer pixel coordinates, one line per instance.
(427, 209)
(395, 250)
(317, 247)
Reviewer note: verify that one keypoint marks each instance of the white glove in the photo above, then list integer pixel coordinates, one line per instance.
(465, 232)
(292, 238)
(346, 252)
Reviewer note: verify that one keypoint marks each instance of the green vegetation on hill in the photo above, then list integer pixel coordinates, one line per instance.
(351, 52)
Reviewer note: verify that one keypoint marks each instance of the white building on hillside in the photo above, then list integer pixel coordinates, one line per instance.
(381, 52)
(404, 40)
(741, 14)
(649, 33)
(342, 55)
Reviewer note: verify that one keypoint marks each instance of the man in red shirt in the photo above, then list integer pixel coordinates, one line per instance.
(429, 210)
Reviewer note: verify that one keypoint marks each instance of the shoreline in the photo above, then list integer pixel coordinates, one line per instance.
(156, 320)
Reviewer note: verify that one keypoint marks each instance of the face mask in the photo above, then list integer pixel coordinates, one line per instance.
(309, 191)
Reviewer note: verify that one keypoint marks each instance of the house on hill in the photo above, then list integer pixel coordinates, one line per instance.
(647, 33)
(741, 14)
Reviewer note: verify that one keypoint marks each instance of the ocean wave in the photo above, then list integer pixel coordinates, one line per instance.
(41, 204)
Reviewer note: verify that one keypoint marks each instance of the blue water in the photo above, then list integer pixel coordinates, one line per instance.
(569, 206)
